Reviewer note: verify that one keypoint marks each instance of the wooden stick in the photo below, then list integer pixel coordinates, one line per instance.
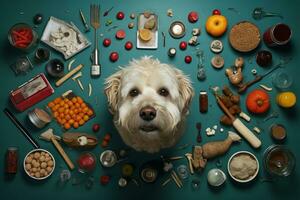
(68, 75)
(62, 153)
(175, 180)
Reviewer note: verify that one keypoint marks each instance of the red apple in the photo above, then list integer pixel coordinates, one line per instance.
(193, 17)
(120, 15)
(106, 42)
(216, 12)
(114, 56)
(188, 59)
(183, 45)
(128, 45)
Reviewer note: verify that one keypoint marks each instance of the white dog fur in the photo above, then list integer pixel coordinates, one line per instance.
(147, 82)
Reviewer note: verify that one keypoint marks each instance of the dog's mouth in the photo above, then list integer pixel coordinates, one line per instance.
(149, 128)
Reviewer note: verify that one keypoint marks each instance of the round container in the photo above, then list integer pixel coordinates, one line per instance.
(277, 35)
(216, 177)
(108, 158)
(39, 118)
(55, 68)
(183, 171)
(279, 161)
(11, 160)
(149, 174)
(42, 54)
(177, 29)
(278, 132)
(238, 154)
(264, 58)
(86, 162)
(39, 150)
(282, 80)
(171, 52)
(18, 28)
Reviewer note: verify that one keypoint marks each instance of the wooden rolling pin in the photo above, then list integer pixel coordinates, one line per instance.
(240, 127)
(68, 75)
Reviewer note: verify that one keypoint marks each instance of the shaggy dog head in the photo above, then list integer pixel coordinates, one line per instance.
(149, 101)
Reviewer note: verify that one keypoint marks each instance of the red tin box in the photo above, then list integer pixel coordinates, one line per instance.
(31, 92)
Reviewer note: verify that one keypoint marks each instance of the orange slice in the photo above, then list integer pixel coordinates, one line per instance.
(145, 35)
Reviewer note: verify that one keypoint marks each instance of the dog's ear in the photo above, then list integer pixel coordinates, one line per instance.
(186, 90)
(112, 91)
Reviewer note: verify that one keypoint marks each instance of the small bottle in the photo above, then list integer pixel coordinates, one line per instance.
(11, 160)
(95, 70)
(203, 101)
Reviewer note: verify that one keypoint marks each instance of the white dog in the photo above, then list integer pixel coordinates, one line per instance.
(149, 101)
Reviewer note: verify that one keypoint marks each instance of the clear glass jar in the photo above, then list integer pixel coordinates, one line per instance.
(279, 161)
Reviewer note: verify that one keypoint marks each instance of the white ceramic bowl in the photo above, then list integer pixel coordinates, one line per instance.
(38, 150)
(237, 154)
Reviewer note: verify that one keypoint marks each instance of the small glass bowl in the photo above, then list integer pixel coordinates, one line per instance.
(34, 39)
(282, 80)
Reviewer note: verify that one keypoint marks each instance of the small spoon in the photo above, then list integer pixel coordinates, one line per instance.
(274, 114)
(259, 13)
(199, 137)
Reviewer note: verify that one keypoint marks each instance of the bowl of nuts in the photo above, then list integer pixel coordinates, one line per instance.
(39, 164)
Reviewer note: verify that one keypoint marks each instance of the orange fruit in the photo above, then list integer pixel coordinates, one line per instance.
(55, 114)
(77, 105)
(90, 112)
(76, 111)
(83, 105)
(70, 103)
(66, 100)
(74, 99)
(71, 121)
(61, 110)
(68, 117)
(78, 118)
(81, 114)
(67, 126)
(86, 118)
(75, 125)
(85, 110)
(62, 103)
(62, 115)
(54, 108)
(57, 100)
(71, 112)
(63, 121)
(81, 122)
(51, 104)
(79, 100)
(66, 111)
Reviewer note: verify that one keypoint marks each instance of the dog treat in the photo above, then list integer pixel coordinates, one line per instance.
(198, 161)
(256, 129)
(217, 148)
(265, 87)
(243, 166)
(90, 89)
(216, 46)
(70, 64)
(203, 100)
(225, 120)
(79, 140)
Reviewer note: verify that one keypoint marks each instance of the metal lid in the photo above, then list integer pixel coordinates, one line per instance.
(108, 158)
(177, 29)
(149, 175)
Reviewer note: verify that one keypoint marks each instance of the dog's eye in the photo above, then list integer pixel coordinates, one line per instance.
(163, 92)
(134, 92)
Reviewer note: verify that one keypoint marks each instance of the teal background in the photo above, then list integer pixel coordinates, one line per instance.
(21, 187)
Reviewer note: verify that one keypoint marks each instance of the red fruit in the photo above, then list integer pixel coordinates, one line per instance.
(193, 17)
(188, 59)
(96, 127)
(107, 137)
(216, 12)
(104, 179)
(120, 34)
(106, 42)
(120, 15)
(183, 45)
(128, 45)
(114, 56)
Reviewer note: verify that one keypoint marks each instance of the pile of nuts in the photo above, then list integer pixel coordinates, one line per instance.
(39, 164)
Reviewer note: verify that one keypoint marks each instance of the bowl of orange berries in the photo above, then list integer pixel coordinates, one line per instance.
(70, 110)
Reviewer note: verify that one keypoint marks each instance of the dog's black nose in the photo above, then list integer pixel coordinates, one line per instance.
(148, 113)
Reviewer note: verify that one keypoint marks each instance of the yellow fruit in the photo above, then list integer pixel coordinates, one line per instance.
(286, 99)
(145, 35)
(216, 25)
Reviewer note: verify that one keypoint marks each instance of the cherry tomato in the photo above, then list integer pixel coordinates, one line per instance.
(96, 127)
(114, 56)
(128, 45)
(216, 12)
(188, 59)
(183, 45)
(120, 15)
(106, 42)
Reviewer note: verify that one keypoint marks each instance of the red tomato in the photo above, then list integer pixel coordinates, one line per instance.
(258, 101)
